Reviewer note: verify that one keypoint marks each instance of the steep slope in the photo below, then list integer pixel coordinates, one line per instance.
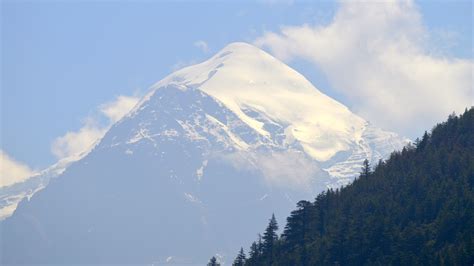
(11, 195)
(263, 92)
(232, 139)
(286, 111)
(417, 208)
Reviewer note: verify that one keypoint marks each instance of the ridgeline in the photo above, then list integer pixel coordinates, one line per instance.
(416, 208)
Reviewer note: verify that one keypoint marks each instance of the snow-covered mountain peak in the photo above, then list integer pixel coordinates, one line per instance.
(255, 85)
(239, 133)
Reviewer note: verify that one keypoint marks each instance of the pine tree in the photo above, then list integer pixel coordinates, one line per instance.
(253, 255)
(270, 237)
(297, 230)
(240, 260)
(417, 208)
(365, 169)
(260, 245)
(423, 142)
(213, 262)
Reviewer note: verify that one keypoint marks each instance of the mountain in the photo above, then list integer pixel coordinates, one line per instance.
(417, 208)
(11, 195)
(211, 149)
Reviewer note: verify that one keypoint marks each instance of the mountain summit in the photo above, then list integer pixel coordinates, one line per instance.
(210, 150)
(263, 91)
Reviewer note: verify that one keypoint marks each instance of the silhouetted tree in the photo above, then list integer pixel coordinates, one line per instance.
(269, 239)
(416, 208)
(240, 259)
(365, 169)
(213, 262)
(253, 255)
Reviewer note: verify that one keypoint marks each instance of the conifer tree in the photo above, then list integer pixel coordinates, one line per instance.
(424, 141)
(253, 254)
(365, 169)
(297, 229)
(240, 259)
(417, 208)
(270, 238)
(260, 245)
(213, 262)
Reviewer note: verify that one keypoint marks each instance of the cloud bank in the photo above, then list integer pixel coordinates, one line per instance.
(289, 169)
(12, 171)
(79, 142)
(118, 108)
(378, 55)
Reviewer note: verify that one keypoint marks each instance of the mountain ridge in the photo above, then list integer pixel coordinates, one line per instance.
(188, 159)
(416, 208)
(242, 77)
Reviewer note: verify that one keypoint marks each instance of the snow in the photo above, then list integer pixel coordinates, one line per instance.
(241, 129)
(284, 111)
(191, 132)
(282, 108)
(11, 204)
(200, 170)
(170, 133)
(242, 76)
(238, 142)
(374, 144)
(189, 197)
(142, 133)
(11, 196)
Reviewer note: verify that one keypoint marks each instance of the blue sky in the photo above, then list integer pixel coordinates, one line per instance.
(62, 60)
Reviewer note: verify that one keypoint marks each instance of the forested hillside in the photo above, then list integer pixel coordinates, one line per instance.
(415, 208)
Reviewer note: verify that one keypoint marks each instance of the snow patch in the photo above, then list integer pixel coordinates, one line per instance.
(169, 133)
(239, 142)
(189, 197)
(200, 170)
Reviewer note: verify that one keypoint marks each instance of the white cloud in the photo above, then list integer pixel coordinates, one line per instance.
(117, 109)
(12, 171)
(78, 142)
(202, 45)
(74, 143)
(289, 169)
(378, 55)
(286, 169)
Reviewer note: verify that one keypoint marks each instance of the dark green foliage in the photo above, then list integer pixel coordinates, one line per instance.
(270, 236)
(213, 262)
(240, 260)
(296, 231)
(365, 169)
(254, 255)
(417, 208)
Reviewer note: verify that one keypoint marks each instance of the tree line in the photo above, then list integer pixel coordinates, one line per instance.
(415, 208)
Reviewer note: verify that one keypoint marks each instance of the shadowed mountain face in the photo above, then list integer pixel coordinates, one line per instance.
(210, 151)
